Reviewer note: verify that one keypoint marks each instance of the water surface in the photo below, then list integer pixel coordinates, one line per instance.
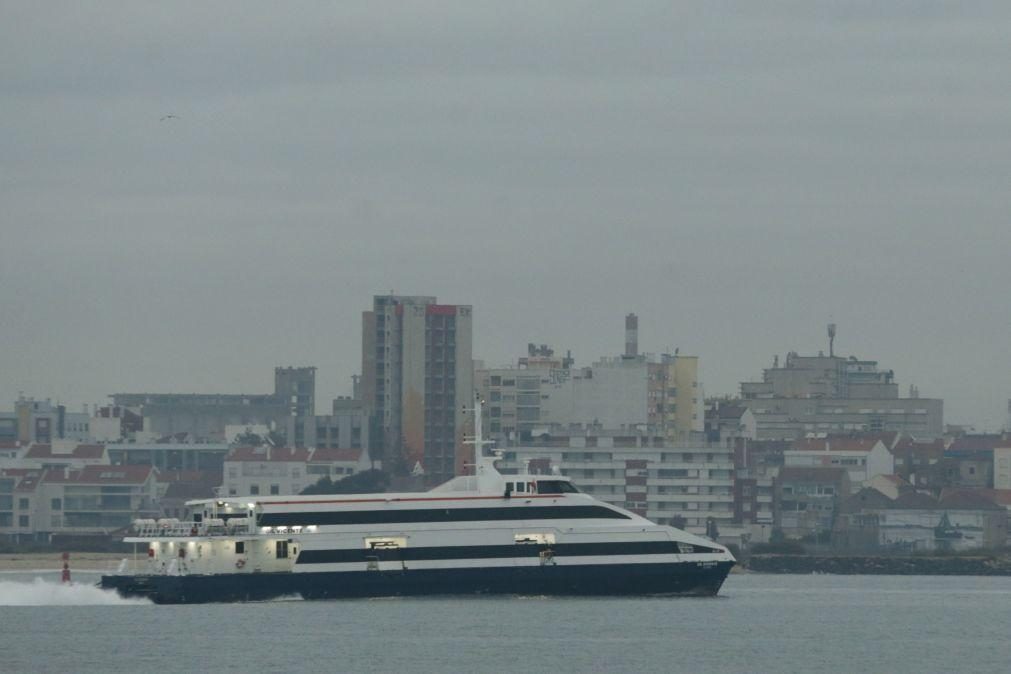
(759, 623)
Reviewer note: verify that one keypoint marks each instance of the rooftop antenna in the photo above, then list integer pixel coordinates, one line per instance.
(831, 340)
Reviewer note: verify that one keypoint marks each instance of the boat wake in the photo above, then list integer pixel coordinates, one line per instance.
(39, 592)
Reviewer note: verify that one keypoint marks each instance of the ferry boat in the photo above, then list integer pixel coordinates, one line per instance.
(485, 533)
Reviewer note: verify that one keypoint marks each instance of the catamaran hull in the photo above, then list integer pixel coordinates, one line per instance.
(674, 579)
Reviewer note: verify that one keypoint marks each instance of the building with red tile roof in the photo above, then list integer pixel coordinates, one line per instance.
(961, 519)
(76, 500)
(255, 471)
(977, 443)
(78, 453)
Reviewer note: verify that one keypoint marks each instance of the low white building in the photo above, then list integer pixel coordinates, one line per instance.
(272, 471)
(862, 458)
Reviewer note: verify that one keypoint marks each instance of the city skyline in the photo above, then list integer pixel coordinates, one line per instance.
(328, 387)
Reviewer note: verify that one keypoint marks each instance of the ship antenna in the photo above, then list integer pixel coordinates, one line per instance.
(481, 462)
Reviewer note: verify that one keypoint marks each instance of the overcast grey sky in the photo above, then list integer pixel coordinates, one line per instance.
(737, 173)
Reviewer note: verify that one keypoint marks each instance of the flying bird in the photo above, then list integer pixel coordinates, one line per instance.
(168, 117)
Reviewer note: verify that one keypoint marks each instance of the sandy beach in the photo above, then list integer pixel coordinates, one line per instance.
(53, 560)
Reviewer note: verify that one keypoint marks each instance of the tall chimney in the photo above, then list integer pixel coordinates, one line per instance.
(631, 336)
(831, 339)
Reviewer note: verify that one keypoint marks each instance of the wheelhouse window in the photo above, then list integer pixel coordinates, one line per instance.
(555, 487)
(240, 547)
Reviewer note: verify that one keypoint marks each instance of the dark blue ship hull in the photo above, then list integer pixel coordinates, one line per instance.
(675, 579)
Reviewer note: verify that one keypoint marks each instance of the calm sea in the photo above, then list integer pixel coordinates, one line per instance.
(759, 623)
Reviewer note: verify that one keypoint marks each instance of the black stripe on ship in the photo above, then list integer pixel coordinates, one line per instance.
(520, 551)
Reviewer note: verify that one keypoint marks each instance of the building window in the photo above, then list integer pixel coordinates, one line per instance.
(23, 521)
(254, 489)
(23, 504)
(56, 504)
(274, 490)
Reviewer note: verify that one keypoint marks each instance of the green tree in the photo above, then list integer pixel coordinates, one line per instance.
(370, 481)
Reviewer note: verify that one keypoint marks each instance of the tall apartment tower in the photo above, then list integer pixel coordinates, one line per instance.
(417, 377)
(296, 387)
(631, 336)
(675, 397)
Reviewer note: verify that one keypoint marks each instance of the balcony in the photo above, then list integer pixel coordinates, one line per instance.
(581, 481)
(690, 498)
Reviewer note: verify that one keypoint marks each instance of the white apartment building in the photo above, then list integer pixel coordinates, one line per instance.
(542, 393)
(689, 485)
(863, 459)
(93, 500)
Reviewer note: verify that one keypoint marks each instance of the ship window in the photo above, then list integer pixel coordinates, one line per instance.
(555, 487)
(240, 547)
(282, 549)
(521, 486)
(536, 538)
(385, 543)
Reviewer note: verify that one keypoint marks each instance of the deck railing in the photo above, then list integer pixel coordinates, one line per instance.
(170, 528)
